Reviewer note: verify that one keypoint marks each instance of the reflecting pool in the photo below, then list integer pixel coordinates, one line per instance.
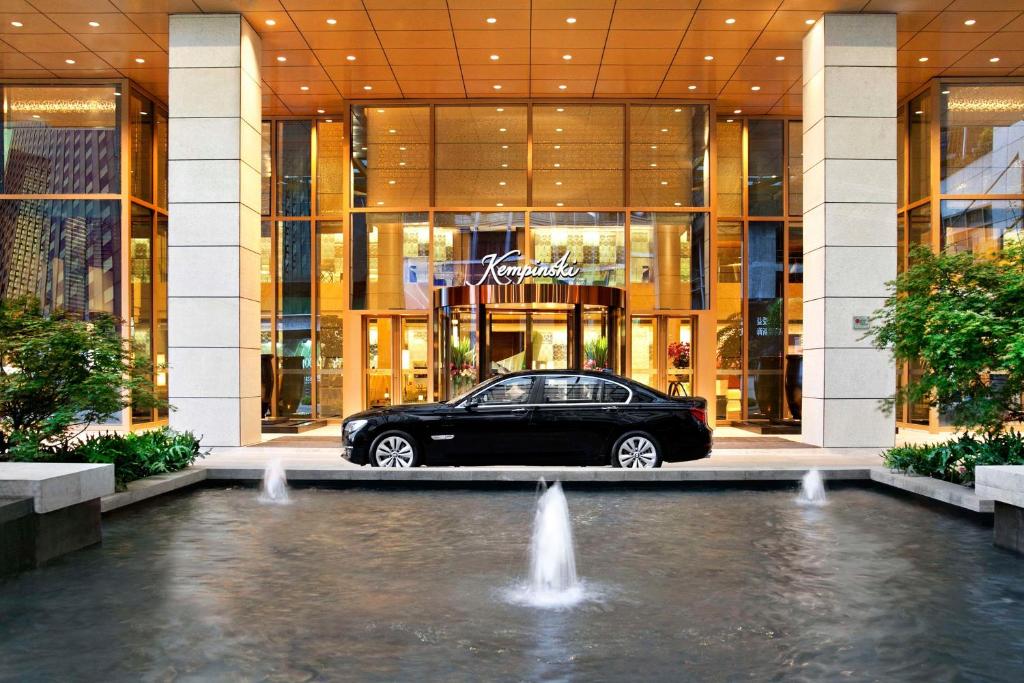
(413, 586)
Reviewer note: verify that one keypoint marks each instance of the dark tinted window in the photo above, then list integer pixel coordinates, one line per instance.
(582, 389)
(511, 391)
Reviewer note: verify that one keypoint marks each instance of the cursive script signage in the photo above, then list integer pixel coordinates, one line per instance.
(497, 271)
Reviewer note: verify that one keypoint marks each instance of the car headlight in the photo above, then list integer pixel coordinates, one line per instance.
(353, 426)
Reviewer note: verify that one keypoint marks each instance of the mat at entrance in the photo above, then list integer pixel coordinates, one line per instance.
(724, 443)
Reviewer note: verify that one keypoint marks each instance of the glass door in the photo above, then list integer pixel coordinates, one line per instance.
(663, 354)
(396, 353)
(528, 340)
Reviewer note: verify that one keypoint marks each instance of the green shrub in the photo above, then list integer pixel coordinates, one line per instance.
(956, 459)
(135, 455)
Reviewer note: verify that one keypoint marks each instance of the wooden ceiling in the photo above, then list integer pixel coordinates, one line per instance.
(319, 52)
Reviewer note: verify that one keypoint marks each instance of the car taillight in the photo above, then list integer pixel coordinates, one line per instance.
(700, 415)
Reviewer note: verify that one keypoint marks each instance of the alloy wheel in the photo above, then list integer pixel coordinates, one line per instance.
(394, 451)
(637, 452)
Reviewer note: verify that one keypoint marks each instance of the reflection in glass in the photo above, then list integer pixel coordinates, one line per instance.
(390, 261)
(919, 143)
(981, 225)
(796, 168)
(266, 161)
(378, 362)
(764, 167)
(668, 154)
(267, 303)
(331, 307)
(390, 156)
(730, 167)
(160, 312)
(983, 139)
(61, 140)
(141, 120)
(729, 335)
(668, 265)
(480, 155)
(764, 306)
(415, 352)
(294, 167)
(795, 322)
(294, 288)
(644, 368)
(595, 241)
(528, 340)
(920, 229)
(330, 168)
(461, 240)
(65, 252)
(901, 143)
(140, 295)
(161, 159)
(578, 155)
(679, 351)
(457, 343)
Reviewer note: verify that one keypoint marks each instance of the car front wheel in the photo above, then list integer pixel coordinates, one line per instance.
(636, 450)
(394, 450)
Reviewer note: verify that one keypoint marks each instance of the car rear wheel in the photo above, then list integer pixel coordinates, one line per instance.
(636, 450)
(394, 450)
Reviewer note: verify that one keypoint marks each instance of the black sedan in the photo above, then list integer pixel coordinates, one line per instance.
(535, 418)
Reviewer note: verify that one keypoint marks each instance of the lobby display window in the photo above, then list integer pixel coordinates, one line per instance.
(390, 156)
(578, 155)
(143, 123)
(668, 264)
(331, 297)
(765, 159)
(596, 241)
(330, 168)
(147, 296)
(668, 155)
(293, 321)
(390, 261)
(294, 168)
(962, 143)
(480, 155)
(461, 240)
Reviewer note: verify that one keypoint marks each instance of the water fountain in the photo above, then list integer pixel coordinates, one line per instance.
(274, 488)
(812, 489)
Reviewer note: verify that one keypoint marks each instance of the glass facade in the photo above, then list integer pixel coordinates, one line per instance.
(961, 144)
(72, 233)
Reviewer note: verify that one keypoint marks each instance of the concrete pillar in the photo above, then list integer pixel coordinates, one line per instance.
(849, 108)
(214, 231)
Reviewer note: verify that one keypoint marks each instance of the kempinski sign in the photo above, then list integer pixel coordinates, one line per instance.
(497, 272)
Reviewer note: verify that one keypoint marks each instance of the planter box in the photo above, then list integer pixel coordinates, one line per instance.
(936, 489)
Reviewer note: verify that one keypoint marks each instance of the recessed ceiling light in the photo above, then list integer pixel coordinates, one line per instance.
(677, 110)
(708, 58)
(392, 131)
(919, 112)
(303, 87)
(328, 120)
(730, 21)
(691, 87)
(392, 182)
(654, 165)
(654, 147)
(380, 203)
(558, 147)
(503, 130)
(499, 204)
(367, 87)
(504, 146)
(558, 130)
(970, 22)
(35, 116)
(728, 120)
(563, 86)
(94, 24)
(780, 58)
(558, 183)
(559, 204)
(502, 183)
(556, 165)
(401, 163)
(737, 111)
(495, 58)
(17, 24)
(319, 111)
(270, 22)
(570, 20)
(678, 204)
(504, 165)
(922, 59)
(755, 88)
(664, 130)
(332, 21)
(492, 20)
(567, 57)
(282, 58)
(500, 109)
(350, 58)
(944, 92)
(560, 109)
(810, 22)
(496, 86)
(380, 111)
(664, 182)
(140, 60)
(994, 59)
(69, 61)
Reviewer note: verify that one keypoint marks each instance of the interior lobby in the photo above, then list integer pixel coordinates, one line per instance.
(305, 208)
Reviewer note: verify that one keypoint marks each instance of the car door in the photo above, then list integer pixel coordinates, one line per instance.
(576, 415)
(492, 425)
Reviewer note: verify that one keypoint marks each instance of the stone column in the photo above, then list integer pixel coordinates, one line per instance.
(214, 231)
(849, 110)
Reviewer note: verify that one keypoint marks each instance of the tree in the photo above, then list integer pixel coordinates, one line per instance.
(961, 316)
(59, 374)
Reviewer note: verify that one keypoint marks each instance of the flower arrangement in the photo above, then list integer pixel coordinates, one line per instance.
(462, 366)
(595, 354)
(679, 352)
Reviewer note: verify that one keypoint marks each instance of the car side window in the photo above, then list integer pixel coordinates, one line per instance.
(510, 392)
(582, 389)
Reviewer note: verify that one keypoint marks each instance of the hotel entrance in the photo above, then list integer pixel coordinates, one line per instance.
(497, 329)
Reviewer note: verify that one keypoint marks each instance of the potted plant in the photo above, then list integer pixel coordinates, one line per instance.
(462, 366)
(679, 354)
(595, 352)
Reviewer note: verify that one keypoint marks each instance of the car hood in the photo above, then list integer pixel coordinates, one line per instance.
(413, 409)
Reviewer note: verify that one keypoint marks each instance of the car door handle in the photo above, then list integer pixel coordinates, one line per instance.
(519, 410)
(610, 408)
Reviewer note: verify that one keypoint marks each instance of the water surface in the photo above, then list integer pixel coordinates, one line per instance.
(414, 586)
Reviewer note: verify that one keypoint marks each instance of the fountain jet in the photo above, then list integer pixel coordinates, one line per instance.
(274, 488)
(812, 489)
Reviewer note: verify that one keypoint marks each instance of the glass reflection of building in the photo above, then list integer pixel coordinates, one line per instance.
(960, 181)
(83, 220)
